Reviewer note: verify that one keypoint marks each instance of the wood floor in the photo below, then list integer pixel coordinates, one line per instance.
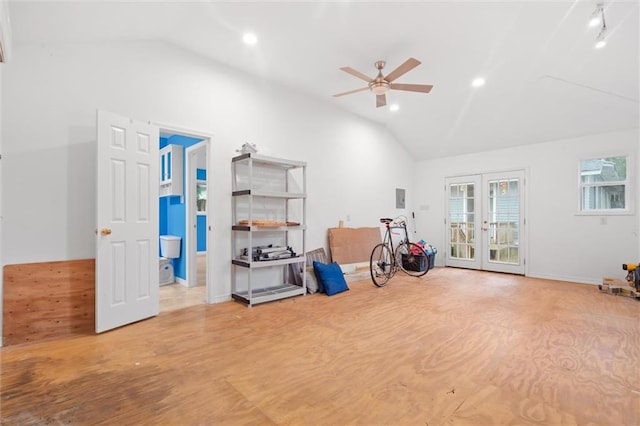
(453, 347)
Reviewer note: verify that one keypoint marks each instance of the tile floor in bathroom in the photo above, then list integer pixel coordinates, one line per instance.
(176, 296)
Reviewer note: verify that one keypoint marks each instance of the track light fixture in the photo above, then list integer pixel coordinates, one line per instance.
(597, 18)
(600, 40)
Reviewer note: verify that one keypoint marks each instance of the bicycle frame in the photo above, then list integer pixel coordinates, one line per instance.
(388, 239)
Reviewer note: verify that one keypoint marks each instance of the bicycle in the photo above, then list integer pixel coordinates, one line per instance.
(386, 259)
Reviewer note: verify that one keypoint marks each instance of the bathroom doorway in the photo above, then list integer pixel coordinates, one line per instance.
(185, 216)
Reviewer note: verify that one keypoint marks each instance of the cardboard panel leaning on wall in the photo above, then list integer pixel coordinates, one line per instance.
(352, 245)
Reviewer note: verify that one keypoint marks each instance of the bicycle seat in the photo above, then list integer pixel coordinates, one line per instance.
(386, 220)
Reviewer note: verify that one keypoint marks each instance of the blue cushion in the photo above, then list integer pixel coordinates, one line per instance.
(330, 278)
(317, 275)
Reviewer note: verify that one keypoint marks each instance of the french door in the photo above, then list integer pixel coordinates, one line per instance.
(485, 222)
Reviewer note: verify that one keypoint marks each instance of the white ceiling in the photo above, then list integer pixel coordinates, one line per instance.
(545, 80)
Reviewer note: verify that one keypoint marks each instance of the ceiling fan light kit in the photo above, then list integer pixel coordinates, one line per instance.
(379, 88)
(380, 85)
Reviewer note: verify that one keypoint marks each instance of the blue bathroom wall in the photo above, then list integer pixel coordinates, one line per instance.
(173, 210)
(202, 233)
(201, 226)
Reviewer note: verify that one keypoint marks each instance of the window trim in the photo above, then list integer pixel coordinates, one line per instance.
(628, 193)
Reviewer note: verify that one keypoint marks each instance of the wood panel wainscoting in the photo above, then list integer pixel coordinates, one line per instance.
(452, 347)
(48, 300)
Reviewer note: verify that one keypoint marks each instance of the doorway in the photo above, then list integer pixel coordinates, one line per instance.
(485, 222)
(196, 218)
(191, 277)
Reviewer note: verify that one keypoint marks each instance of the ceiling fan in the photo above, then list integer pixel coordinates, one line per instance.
(381, 84)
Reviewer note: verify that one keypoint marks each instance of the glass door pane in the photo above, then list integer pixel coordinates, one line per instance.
(462, 222)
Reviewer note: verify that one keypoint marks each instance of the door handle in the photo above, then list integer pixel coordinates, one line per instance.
(105, 231)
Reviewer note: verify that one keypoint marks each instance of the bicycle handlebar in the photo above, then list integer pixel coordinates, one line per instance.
(388, 220)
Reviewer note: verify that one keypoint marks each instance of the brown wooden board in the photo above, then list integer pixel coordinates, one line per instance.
(352, 245)
(48, 300)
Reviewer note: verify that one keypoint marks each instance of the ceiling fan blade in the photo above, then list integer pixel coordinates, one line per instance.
(351, 91)
(408, 65)
(355, 73)
(424, 88)
(381, 100)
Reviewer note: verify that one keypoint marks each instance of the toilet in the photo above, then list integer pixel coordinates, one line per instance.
(169, 249)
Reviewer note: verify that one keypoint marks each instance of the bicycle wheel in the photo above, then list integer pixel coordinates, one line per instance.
(381, 265)
(412, 259)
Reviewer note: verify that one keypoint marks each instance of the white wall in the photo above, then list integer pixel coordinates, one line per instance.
(561, 244)
(5, 29)
(50, 100)
(5, 39)
(1, 217)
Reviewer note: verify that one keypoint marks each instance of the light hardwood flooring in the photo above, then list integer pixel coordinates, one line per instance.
(176, 296)
(453, 347)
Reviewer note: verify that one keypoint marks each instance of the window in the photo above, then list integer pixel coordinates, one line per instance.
(604, 185)
(201, 197)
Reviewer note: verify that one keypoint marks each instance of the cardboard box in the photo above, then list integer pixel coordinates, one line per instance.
(614, 282)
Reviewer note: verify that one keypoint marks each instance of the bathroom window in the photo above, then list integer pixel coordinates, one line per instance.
(201, 197)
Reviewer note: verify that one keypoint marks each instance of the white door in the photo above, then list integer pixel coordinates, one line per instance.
(503, 222)
(485, 222)
(127, 288)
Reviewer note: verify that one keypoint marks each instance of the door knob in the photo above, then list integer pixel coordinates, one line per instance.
(105, 231)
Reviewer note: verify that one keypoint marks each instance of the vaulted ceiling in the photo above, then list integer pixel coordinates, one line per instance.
(544, 78)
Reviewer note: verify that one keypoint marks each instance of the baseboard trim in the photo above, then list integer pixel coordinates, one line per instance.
(571, 279)
(220, 299)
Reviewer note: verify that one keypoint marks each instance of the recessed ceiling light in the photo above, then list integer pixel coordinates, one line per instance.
(594, 22)
(478, 82)
(250, 39)
(600, 44)
(394, 107)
